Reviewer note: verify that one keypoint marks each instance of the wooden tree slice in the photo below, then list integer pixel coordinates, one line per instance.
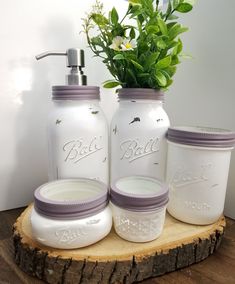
(114, 260)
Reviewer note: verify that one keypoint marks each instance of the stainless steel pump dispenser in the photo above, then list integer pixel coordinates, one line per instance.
(75, 60)
(77, 128)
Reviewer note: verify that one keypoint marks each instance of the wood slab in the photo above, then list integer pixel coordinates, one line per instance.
(114, 260)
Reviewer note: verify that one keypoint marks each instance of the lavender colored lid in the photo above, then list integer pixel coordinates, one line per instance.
(71, 198)
(201, 136)
(74, 92)
(140, 93)
(139, 193)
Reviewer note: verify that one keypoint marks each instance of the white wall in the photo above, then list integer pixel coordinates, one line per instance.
(203, 92)
(26, 29)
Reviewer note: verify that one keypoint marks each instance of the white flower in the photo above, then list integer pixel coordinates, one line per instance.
(116, 43)
(128, 44)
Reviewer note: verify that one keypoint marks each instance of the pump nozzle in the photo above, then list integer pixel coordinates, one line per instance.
(75, 60)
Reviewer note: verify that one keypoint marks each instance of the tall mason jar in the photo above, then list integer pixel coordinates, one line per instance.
(138, 134)
(78, 134)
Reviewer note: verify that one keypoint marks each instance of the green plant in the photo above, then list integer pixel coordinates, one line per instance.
(143, 54)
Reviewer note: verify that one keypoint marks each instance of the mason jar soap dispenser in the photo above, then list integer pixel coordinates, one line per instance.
(77, 127)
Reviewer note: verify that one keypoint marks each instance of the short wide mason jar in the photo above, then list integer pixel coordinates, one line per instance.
(71, 213)
(138, 130)
(197, 172)
(78, 134)
(138, 205)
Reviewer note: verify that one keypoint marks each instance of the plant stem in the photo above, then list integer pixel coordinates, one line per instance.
(127, 12)
(157, 3)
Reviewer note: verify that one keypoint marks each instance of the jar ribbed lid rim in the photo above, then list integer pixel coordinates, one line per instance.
(75, 92)
(48, 198)
(201, 136)
(141, 93)
(139, 202)
(74, 87)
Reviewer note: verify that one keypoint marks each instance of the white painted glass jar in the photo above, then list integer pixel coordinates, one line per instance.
(138, 204)
(78, 134)
(138, 129)
(70, 214)
(197, 172)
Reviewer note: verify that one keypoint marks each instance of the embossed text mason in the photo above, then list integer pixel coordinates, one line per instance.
(138, 129)
(78, 135)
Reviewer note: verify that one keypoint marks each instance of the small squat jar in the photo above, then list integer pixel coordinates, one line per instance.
(70, 214)
(197, 172)
(138, 206)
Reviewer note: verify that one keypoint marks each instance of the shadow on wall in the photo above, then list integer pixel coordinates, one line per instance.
(31, 166)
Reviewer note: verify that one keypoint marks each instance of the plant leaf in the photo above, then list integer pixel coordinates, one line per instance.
(151, 29)
(176, 30)
(169, 82)
(175, 60)
(161, 44)
(161, 79)
(172, 17)
(114, 16)
(151, 60)
(184, 7)
(163, 63)
(137, 65)
(96, 41)
(175, 3)
(180, 46)
(171, 70)
(130, 77)
(118, 57)
(162, 26)
(99, 19)
(169, 8)
(132, 33)
(111, 84)
(143, 75)
(165, 73)
(135, 2)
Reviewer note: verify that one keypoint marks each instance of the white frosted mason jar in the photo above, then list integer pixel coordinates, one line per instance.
(138, 130)
(138, 204)
(78, 134)
(197, 172)
(70, 214)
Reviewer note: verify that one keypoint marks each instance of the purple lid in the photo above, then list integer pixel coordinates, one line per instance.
(140, 93)
(139, 193)
(201, 136)
(71, 198)
(74, 92)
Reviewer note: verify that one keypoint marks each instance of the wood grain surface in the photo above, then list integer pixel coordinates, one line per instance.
(218, 268)
(114, 260)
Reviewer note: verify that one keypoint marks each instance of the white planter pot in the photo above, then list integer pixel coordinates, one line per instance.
(138, 129)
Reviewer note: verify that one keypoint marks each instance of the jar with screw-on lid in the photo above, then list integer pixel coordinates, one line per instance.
(138, 204)
(78, 134)
(138, 130)
(77, 127)
(197, 172)
(71, 213)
